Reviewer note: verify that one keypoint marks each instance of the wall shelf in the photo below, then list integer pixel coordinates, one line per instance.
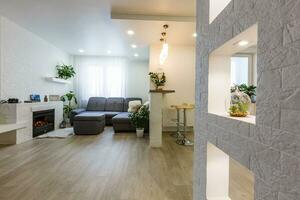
(58, 80)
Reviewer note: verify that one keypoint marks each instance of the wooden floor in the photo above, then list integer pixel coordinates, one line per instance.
(103, 167)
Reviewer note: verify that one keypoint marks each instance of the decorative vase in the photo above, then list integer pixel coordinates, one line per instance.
(161, 87)
(139, 132)
(239, 103)
(253, 99)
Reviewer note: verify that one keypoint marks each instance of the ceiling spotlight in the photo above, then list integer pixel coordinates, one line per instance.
(195, 35)
(243, 43)
(133, 46)
(81, 51)
(108, 51)
(136, 55)
(130, 32)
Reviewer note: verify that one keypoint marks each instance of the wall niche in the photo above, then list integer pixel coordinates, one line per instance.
(233, 63)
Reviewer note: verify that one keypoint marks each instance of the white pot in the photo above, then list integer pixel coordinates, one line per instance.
(139, 132)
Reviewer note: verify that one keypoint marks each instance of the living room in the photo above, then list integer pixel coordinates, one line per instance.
(164, 100)
(67, 85)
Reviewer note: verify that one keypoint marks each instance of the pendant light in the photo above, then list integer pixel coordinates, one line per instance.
(165, 47)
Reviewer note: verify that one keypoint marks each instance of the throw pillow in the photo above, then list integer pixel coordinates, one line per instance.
(133, 106)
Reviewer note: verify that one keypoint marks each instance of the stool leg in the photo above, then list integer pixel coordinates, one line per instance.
(177, 124)
(187, 142)
(180, 137)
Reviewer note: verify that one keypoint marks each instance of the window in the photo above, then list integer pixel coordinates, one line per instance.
(239, 70)
(101, 77)
(243, 69)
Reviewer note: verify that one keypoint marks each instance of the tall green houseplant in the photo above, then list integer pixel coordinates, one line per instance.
(70, 101)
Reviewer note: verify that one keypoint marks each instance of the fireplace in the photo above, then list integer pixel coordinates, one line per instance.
(43, 122)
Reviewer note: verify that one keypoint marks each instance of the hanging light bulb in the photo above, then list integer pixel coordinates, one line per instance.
(165, 47)
(164, 53)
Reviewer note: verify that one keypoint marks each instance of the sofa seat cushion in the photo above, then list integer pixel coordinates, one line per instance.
(122, 118)
(110, 114)
(90, 116)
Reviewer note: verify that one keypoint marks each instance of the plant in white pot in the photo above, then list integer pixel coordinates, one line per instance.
(70, 103)
(140, 119)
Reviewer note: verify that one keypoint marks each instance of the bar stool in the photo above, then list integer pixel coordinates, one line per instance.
(181, 135)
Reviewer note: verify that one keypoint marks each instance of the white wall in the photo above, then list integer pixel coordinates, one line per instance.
(26, 60)
(219, 83)
(138, 79)
(254, 73)
(217, 174)
(180, 73)
(216, 7)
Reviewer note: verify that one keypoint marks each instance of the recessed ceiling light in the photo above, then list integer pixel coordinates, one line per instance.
(130, 32)
(133, 46)
(81, 50)
(108, 51)
(195, 35)
(243, 43)
(136, 55)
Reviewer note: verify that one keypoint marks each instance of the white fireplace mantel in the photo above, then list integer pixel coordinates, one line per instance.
(16, 120)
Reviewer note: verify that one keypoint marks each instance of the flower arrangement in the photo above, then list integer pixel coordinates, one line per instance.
(158, 79)
(249, 90)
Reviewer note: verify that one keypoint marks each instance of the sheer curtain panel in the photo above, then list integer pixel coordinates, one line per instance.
(100, 76)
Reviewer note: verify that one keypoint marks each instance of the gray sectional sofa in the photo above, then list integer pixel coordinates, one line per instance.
(99, 111)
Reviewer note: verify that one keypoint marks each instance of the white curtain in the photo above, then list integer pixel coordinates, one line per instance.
(100, 77)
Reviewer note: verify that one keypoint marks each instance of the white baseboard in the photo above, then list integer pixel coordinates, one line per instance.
(218, 198)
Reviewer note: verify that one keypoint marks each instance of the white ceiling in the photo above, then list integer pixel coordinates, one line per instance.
(231, 47)
(86, 24)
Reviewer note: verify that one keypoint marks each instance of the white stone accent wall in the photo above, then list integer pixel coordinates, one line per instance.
(271, 148)
(25, 62)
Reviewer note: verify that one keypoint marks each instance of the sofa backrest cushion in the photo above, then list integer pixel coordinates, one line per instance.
(115, 104)
(96, 104)
(125, 109)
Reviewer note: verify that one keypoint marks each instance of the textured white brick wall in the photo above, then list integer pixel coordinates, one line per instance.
(271, 148)
(25, 61)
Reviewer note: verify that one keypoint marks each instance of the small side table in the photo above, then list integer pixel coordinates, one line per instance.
(181, 135)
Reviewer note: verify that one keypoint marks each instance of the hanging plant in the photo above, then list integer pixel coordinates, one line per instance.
(65, 71)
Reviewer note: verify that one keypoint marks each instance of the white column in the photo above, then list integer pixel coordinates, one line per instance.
(156, 102)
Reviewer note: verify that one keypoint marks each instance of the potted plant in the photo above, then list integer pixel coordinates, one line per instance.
(249, 90)
(65, 71)
(140, 120)
(70, 101)
(158, 79)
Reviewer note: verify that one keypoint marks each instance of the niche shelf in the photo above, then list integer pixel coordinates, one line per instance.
(221, 78)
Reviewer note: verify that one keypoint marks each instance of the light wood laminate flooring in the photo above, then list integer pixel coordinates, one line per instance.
(104, 167)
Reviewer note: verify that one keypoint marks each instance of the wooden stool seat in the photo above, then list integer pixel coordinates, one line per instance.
(180, 135)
